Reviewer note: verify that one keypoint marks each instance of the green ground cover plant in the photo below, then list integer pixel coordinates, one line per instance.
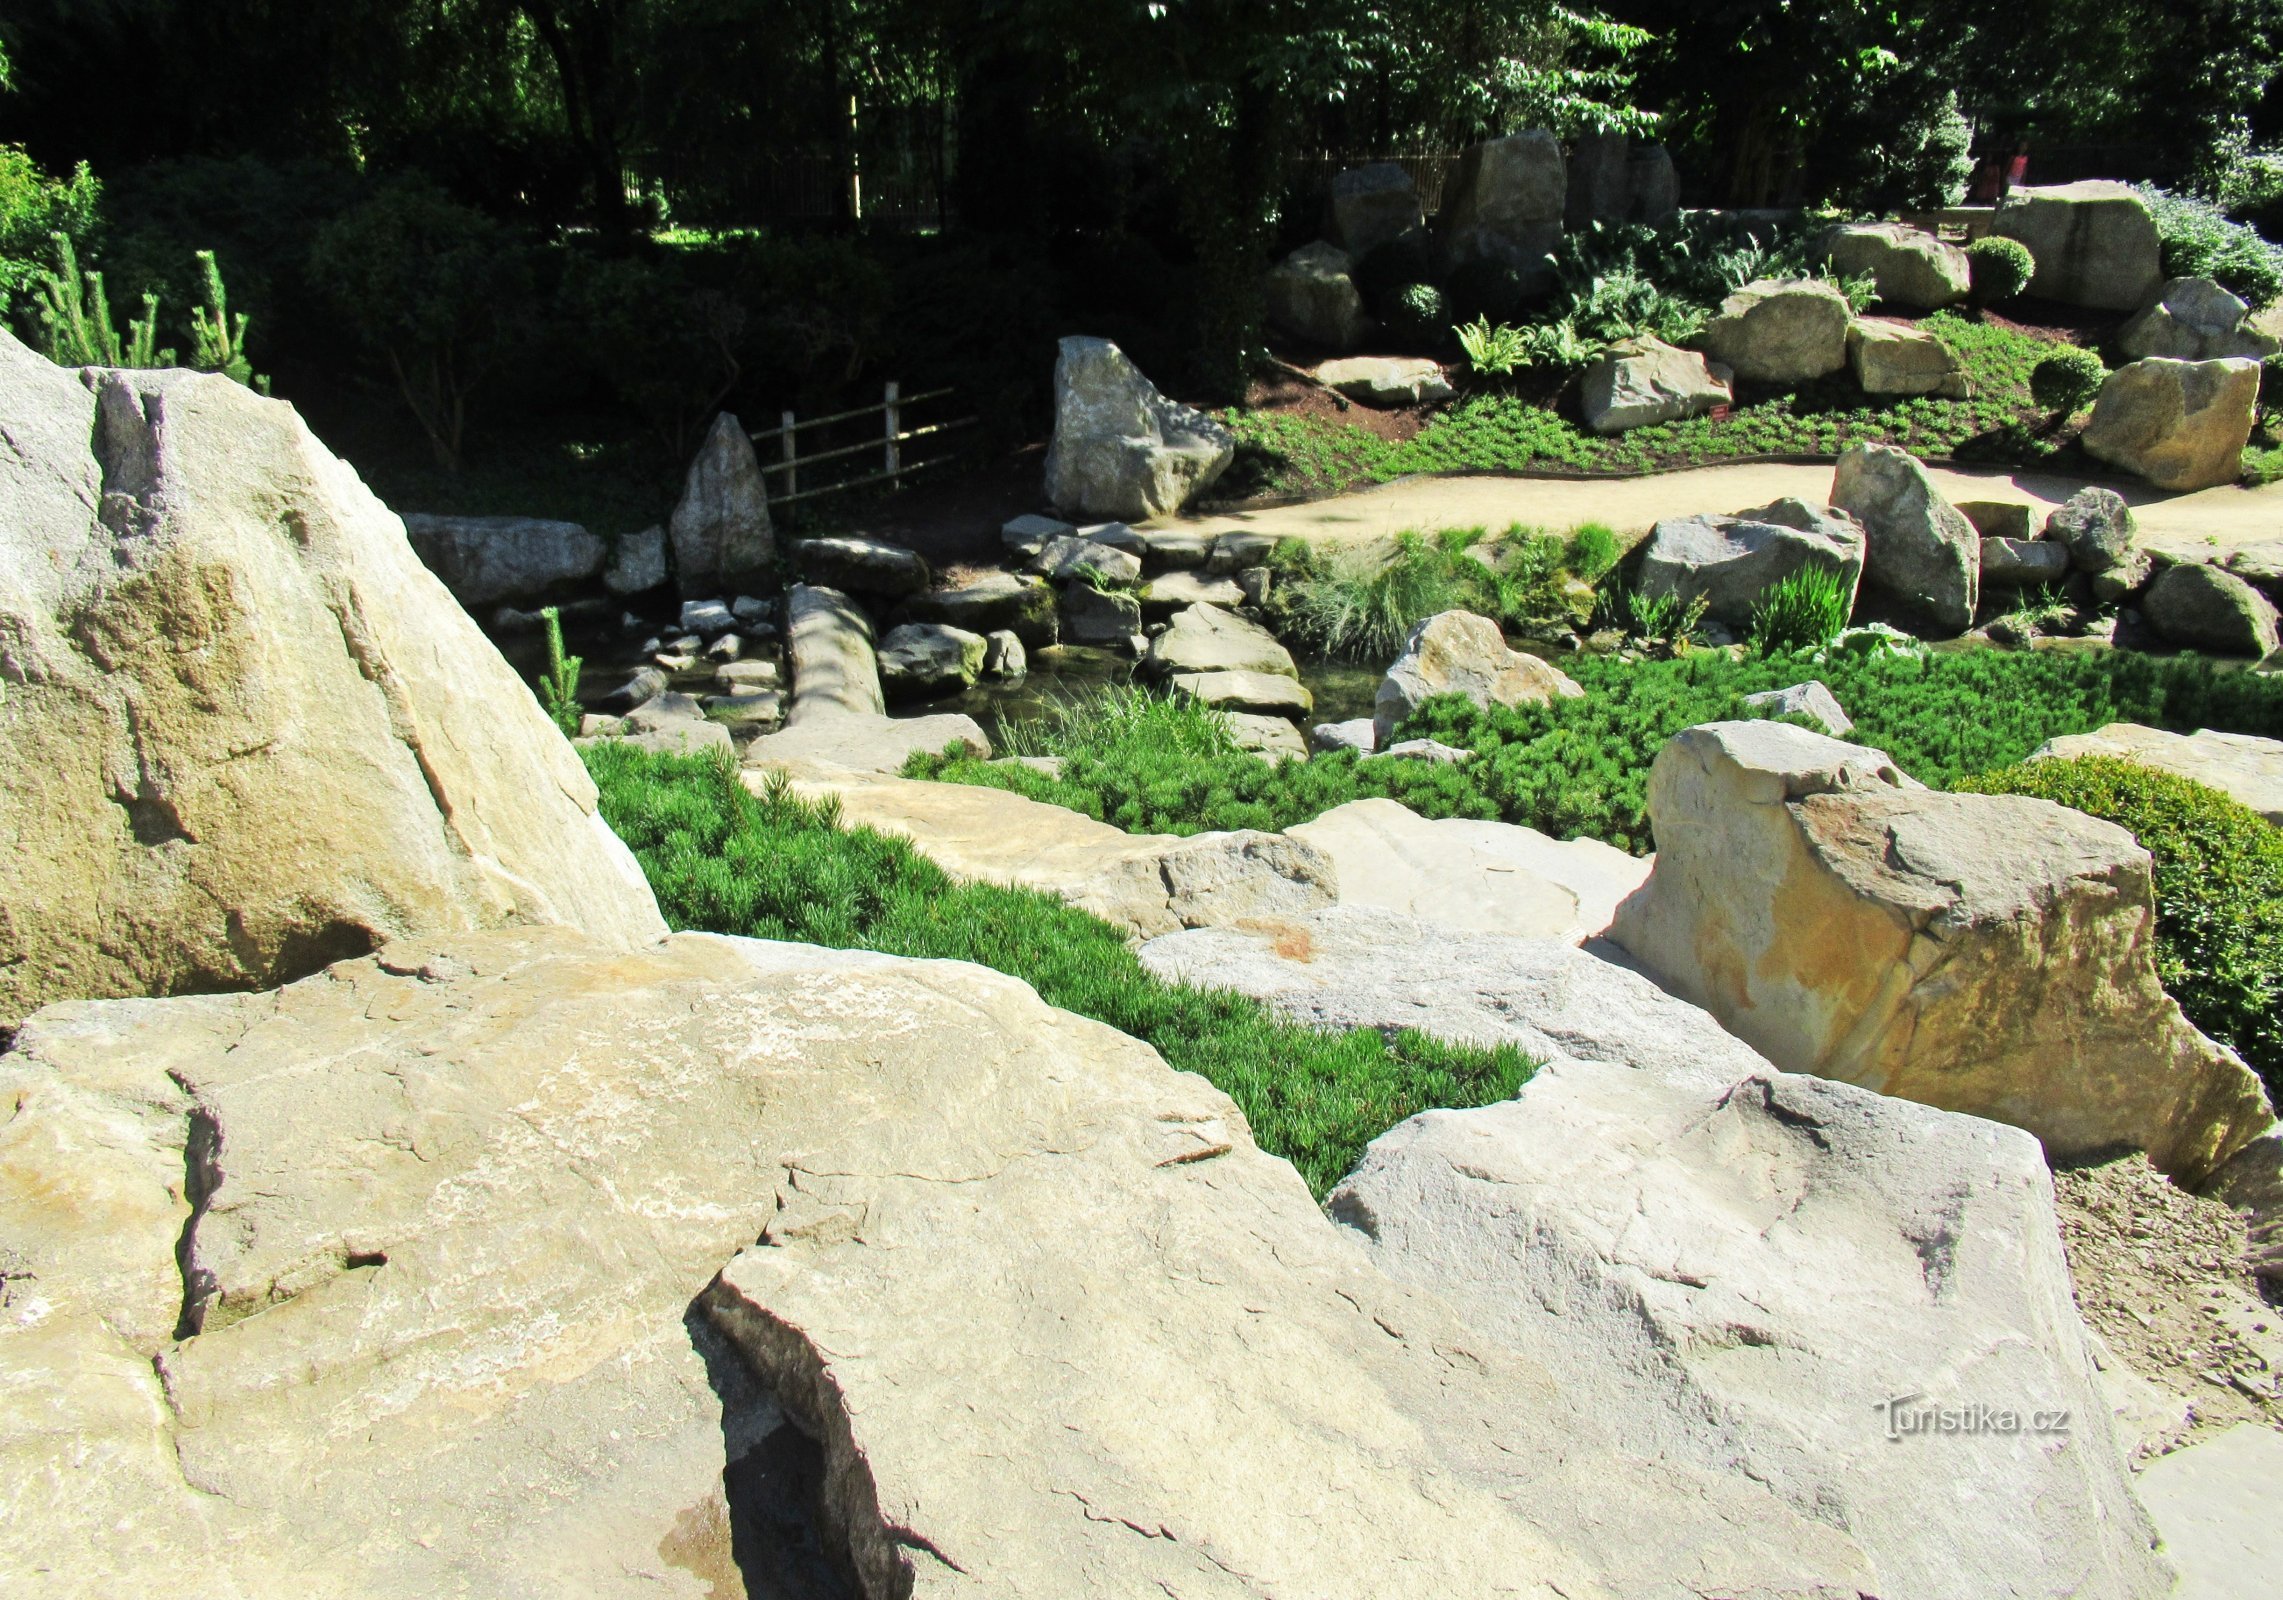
(1580, 768)
(2219, 891)
(1360, 605)
(724, 860)
(1498, 432)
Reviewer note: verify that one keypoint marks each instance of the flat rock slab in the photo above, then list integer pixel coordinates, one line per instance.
(2219, 1506)
(2248, 769)
(829, 640)
(1790, 1278)
(1352, 967)
(1247, 691)
(1144, 883)
(1491, 877)
(866, 743)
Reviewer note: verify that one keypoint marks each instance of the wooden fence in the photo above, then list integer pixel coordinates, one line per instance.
(886, 446)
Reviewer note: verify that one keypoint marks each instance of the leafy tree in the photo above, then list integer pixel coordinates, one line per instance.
(33, 209)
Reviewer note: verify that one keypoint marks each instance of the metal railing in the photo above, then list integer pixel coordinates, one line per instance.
(888, 445)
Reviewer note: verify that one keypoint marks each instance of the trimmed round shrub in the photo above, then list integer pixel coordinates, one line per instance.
(2219, 891)
(2067, 379)
(1417, 317)
(2000, 269)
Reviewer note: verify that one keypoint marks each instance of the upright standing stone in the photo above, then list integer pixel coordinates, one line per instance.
(1921, 548)
(1506, 202)
(2094, 243)
(1120, 448)
(1655, 187)
(1372, 205)
(723, 540)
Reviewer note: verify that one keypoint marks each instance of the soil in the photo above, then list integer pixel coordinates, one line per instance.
(2045, 319)
(2160, 1277)
(1294, 396)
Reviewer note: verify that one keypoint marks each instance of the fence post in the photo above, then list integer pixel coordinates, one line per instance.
(895, 430)
(792, 468)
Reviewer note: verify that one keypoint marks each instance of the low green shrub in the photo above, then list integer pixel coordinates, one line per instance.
(1999, 269)
(1803, 610)
(2219, 891)
(723, 860)
(2066, 381)
(2199, 241)
(1417, 318)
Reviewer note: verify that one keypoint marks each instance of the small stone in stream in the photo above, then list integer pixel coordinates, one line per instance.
(726, 648)
(1358, 735)
(639, 690)
(708, 617)
(1004, 658)
(667, 661)
(751, 608)
(1255, 583)
(743, 677)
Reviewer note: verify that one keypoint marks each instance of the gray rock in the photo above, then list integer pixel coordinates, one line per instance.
(1104, 619)
(1027, 535)
(2259, 564)
(1783, 332)
(1268, 692)
(1254, 584)
(1172, 549)
(856, 565)
(1729, 562)
(857, 742)
(1233, 552)
(729, 647)
(1206, 638)
(2024, 563)
(1178, 590)
(1600, 180)
(1078, 559)
(764, 708)
(1118, 536)
(995, 601)
(484, 560)
(708, 619)
(723, 539)
(2214, 1504)
(637, 563)
(1613, 1225)
(1812, 699)
(1998, 519)
(754, 612)
(1919, 549)
(2247, 769)
(2204, 608)
(921, 659)
(1006, 660)
(645, 686)
(1895, 358)
(1505, 204)
(2182, 425)
(2194, 319)
(1457, 652)
(1120, 448)
(835, 670)
(1911, 267)
(2094, 243)
(2097, 528)
(1387, 380)
(1428, 750)
(1643, 381)
(1655, 187)
(1273, 738)
(1358, 735)
(1313, 296)
(1372, 205)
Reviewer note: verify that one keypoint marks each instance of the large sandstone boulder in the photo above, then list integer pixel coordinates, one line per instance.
(1896, 358)
(1910, 266)
(1784, 332)
(1120, 448)
(1457, 652)
(1387, 380)
(1919, 547)
(1206, 638)
(1312, 295)
(1267, 693)
(1642, 381)
(1505, 203)
(2182, 425)
(2094, 243)
(484, 560)
(724, 542)
(1793, 1278)
(2248, 769)
(247, 732)
(1730, 562)
(1991, 954)
(2194, 319)
(2204, 608)
(1372, 205)
(1103, 619)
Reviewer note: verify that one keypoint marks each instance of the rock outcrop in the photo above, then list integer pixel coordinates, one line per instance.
(1120, 448)
(248, 733)
(1312, 294)
(1638, 382)
(724, 542)
(1794, 1279)
(1920, 548)
(2182, 425)
(1991, 954)
(1787, 331)
(484, 560)
(2194, 319)
(1457, 652)
(1208, 639)
(1730, 562)
(2247, 769)
(1909, 266)
(2094, 243)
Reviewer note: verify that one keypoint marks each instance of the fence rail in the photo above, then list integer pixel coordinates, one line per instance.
(888, 445)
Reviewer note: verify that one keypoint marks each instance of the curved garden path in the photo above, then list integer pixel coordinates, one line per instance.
(2191, 526)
